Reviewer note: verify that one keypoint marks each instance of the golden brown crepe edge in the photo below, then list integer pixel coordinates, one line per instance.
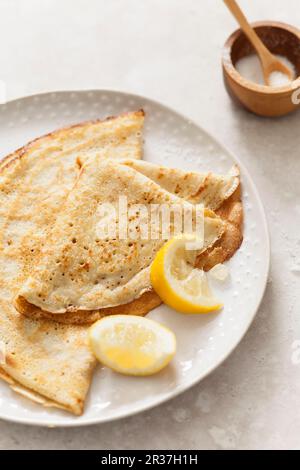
(19, 153)
(232, 213)
(139, 307)
(36, 397)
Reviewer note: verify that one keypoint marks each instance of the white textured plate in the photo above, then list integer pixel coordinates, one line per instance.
(203, 341)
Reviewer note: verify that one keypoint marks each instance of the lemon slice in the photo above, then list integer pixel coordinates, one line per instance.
(177, 282)
(132, 345)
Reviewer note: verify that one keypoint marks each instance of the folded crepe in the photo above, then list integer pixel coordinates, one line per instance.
(44, 360)
(220, 193)
(209, 189)
(83, 274)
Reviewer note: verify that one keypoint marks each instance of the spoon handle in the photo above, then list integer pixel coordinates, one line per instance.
(248, 30)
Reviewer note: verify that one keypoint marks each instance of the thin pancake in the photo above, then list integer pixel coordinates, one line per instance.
(209, 189)
(230, 211)
(232, 214)
(50, 359)
(140, 307)
(88, 138)
(82, 270)
(221, 193)
(25, 392)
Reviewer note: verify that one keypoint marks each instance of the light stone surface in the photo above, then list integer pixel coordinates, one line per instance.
(169, 50)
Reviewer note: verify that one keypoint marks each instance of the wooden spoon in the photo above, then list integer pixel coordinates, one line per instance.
(269, 62)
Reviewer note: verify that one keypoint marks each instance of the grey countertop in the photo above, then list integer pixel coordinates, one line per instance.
(170, 50)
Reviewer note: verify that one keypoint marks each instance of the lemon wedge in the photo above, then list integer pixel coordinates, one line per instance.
(132, 345)
(177, 282)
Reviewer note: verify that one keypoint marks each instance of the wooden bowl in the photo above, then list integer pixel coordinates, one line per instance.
(263, 100)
